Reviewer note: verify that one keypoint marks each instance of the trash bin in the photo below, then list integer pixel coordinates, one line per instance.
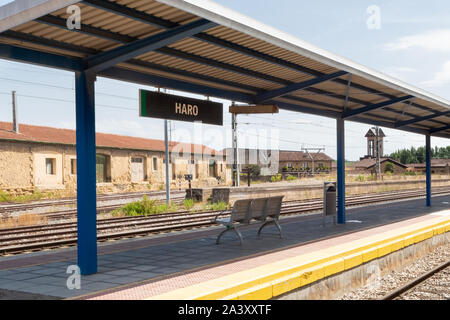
(329, 201)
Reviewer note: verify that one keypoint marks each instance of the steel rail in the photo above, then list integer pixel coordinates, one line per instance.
(162, 224)
(415, 282)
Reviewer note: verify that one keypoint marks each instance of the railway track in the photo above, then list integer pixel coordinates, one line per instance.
(404, 290)
(35, 238)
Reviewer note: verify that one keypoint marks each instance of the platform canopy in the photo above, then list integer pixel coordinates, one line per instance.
(204, 48)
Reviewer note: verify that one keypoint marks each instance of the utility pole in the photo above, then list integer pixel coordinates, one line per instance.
(377, 165)
(235, 150)
(14, 113)
(166, 142)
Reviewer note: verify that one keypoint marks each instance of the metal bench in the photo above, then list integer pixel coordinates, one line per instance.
(246, 210)
(271, 213)
(239, 214)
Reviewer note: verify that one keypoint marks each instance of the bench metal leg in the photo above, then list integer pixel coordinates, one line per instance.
(229, 229)
(275, 222)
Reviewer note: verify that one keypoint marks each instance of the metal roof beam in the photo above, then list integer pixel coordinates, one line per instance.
(110, 58)
(297, 86)
(447, 127)
(51, 60)
(355, 112)
(420, 119)
(153, 80)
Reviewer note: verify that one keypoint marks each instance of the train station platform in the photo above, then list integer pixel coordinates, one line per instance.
(189, 265)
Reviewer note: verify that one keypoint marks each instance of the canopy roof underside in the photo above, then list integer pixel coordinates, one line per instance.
(203, 48)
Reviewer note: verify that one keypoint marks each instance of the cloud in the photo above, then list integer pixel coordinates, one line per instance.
(402, 73)
(435, 40)
(440, 78)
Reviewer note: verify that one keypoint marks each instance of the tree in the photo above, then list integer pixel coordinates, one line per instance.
(389, 167)
(413, 155)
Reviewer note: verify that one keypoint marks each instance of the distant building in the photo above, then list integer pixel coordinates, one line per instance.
(367, 166)
(45, 158)
(438, 166)
(275, 161)
(302, 161)
(372, 149)
(267, 160)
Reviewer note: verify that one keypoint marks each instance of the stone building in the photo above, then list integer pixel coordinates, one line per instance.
(438, 166)
(368, 166)
(40, 157)
(300, 160)
(272, 162)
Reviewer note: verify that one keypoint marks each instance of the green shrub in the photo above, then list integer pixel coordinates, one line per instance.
(291, 178)
(188, 204)
(360, 178)
(276, 178)
(389, 168)
(217, 206)
(410, 173)
(144, 208)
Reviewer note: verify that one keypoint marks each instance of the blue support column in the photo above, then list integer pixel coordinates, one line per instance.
(428, 166)
(340, 128)
(86, 175)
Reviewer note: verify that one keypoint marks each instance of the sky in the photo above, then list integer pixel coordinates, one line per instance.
(409, 40)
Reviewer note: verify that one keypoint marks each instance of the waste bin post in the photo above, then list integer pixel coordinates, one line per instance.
(329, 201)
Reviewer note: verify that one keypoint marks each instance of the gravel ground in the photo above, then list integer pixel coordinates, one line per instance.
(435, 288)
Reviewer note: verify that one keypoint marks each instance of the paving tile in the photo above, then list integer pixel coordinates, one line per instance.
(19, 276)
(120, 272)
(125, 280)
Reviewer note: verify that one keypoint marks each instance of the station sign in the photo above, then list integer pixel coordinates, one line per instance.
(172, 107)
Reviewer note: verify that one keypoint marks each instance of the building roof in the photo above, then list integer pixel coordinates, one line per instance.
(372, 133)
(436, 163)
(204, 48)
(32, 133)
(302, 156)
(370, 162)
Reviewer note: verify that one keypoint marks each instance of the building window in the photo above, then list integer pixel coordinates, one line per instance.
(212, 168)
(320, 165)
(73, 166)
(103, 168)
(50, 164)
(155, 163)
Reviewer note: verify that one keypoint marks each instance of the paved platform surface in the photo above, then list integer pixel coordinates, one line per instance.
(145, 267)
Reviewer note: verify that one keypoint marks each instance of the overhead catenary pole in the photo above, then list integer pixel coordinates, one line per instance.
(14, 113)
(166, 143)
(236, 181)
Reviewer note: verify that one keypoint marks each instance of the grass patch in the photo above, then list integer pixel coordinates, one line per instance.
(188, 204)
(217, 206)
(35, 196)
(144, 208)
